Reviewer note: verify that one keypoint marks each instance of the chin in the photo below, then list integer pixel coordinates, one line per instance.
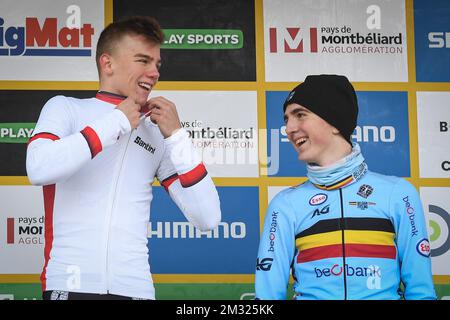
(142, 101)
(304, 158)
(300, 157)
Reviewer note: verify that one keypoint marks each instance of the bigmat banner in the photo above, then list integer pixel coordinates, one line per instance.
(228, 66)
(48, 40)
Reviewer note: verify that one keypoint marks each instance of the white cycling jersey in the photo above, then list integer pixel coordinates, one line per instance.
(97, 175)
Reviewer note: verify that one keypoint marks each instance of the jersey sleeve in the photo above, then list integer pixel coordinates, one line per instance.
(188, 182)
(57, 150)
(412, 242)
(276, 251)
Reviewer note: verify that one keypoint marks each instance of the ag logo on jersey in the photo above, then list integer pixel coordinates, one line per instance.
(318, 199)
(423, 247)
(264, 265)
(318, 212)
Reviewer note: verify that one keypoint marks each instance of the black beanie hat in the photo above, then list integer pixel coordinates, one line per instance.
(332, 97)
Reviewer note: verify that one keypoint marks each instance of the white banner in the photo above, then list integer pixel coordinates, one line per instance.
(433, 115)
(364, 39)
(22, 230)
(223, 126)
(272, 191)
(436, 204)
(49, 40)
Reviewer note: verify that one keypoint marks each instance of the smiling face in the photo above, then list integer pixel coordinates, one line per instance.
(314, 139)
(132, 68)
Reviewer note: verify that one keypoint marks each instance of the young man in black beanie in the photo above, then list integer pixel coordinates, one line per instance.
(347, 232)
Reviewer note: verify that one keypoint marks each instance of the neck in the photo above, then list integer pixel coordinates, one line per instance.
(109, 88)
(342, 172)
(339, 150)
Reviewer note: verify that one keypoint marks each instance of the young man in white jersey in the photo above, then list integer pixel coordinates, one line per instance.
(96, 160)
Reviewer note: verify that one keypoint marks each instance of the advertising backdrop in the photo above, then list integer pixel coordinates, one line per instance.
(228, 66)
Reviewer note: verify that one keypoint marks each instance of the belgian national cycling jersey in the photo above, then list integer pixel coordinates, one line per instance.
(357, 240)
(97, 175)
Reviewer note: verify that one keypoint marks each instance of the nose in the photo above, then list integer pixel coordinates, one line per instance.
(153, 73)
(290, 128)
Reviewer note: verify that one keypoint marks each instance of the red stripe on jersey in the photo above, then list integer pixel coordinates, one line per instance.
(194, 176)
(110, 97)
(116, 99)
(43, 135)
(370, 250)
(167, 182)
(49, 201)
(351, 250)
(93, 140)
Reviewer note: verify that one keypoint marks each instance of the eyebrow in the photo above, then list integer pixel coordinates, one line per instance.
(141, 55)
(296, 110)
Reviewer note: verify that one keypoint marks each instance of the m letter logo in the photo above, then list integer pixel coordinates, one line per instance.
(291, 39)
(10, 230)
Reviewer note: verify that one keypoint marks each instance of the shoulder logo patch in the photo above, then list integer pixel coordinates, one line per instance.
(423, 247)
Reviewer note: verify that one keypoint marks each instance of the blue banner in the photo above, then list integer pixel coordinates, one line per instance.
(382, 132)
(432, 40)
(177, 247)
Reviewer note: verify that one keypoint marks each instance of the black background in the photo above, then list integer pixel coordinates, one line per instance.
(201, 65)
(17, 106)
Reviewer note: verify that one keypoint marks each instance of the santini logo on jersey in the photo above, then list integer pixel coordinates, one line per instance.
(46, 39)
(145, 145)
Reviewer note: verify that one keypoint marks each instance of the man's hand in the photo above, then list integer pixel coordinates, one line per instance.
(131, 110)
(164, 113)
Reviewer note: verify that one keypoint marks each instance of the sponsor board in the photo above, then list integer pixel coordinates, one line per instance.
(382, 132)
(20, 112)
(437, 211)
(202, 291)
(365, 40)
(272, 191)
(48, 40)
(432, 40)
(224, 128)
(207, 41)
(433, 116)
(164, 291)
(20, 291)
(21, 229)
(176, 246)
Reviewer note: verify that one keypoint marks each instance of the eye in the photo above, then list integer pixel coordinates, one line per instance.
(144, 61)
(300, 115)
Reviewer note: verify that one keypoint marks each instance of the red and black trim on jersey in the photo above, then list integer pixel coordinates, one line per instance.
(187, 179)
(110, 97)
(95, 145)
(192, 177)
(49, 201)
(115, 99)
(168, 181)
(43, 135)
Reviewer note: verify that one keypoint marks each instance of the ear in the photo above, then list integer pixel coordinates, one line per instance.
(335, 131)
(105, 61)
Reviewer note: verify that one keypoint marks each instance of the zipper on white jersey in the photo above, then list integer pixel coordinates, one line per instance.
(113, 203)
